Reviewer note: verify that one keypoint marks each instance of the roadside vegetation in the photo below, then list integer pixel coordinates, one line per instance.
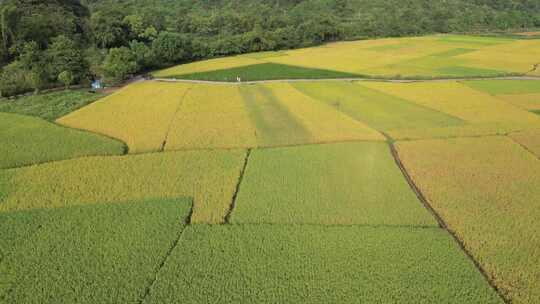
(50, 106)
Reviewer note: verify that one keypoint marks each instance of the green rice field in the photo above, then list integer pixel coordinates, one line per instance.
(300, 184)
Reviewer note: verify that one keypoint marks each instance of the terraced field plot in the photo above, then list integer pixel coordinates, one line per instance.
(338, 184)
(314, 264)
(524, 94)
(424, 57)
(480, 113)
(209, 177)
(287, 191)
(139, 115)
(378, 109)
(486, 190)
(27, 140)
(155, 116)
(87, 254)
(210, 116)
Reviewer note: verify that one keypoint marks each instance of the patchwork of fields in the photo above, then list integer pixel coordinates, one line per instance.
(439, 56)
(332, 191)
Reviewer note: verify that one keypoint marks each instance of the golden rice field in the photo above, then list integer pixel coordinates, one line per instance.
(304, 191)
(209, 177)
(487, 190)
(429, 56)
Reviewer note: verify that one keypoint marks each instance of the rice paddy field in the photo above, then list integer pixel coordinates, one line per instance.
(334, 190)
(438, 56)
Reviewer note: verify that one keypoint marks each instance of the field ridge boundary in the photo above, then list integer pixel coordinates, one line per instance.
(176, 111)
(524, 147)
(441, 222)
(227, 218)
(176, 241)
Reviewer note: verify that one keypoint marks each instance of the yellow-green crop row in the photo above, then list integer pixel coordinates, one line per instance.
(209, 177)
(486, 190)
(139, 114)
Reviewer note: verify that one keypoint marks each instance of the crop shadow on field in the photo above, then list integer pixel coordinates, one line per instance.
(274, 123)
(93, 251)
(265, 71)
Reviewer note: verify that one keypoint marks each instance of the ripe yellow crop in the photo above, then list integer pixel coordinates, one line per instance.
(322, 121)
(139, 114)
(529, 139)
(525, 101)
(486, 190)
(429, 56)
(211, 116)
(483, 113)
(209, 177)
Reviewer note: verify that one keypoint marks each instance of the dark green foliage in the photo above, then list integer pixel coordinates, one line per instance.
(266, 71)
(65, 55)
(119, 64)
(536, 112)
(106, 253)
(315, 264)
(50, 106)
(170, 47)
(185, 30)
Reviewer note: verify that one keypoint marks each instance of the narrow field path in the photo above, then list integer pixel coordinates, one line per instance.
(347, 79)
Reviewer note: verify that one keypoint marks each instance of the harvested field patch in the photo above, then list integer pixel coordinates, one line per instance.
(375, 108)
(348, 183)
(314, 264)
(92, 254)
(209, 177)
(211, 117)
(139, 114)
(28, 140)
(486, 190)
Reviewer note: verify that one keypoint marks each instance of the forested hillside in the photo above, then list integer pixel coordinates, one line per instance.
(54, 42)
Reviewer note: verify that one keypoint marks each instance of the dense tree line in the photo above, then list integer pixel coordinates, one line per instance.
(51, 42)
